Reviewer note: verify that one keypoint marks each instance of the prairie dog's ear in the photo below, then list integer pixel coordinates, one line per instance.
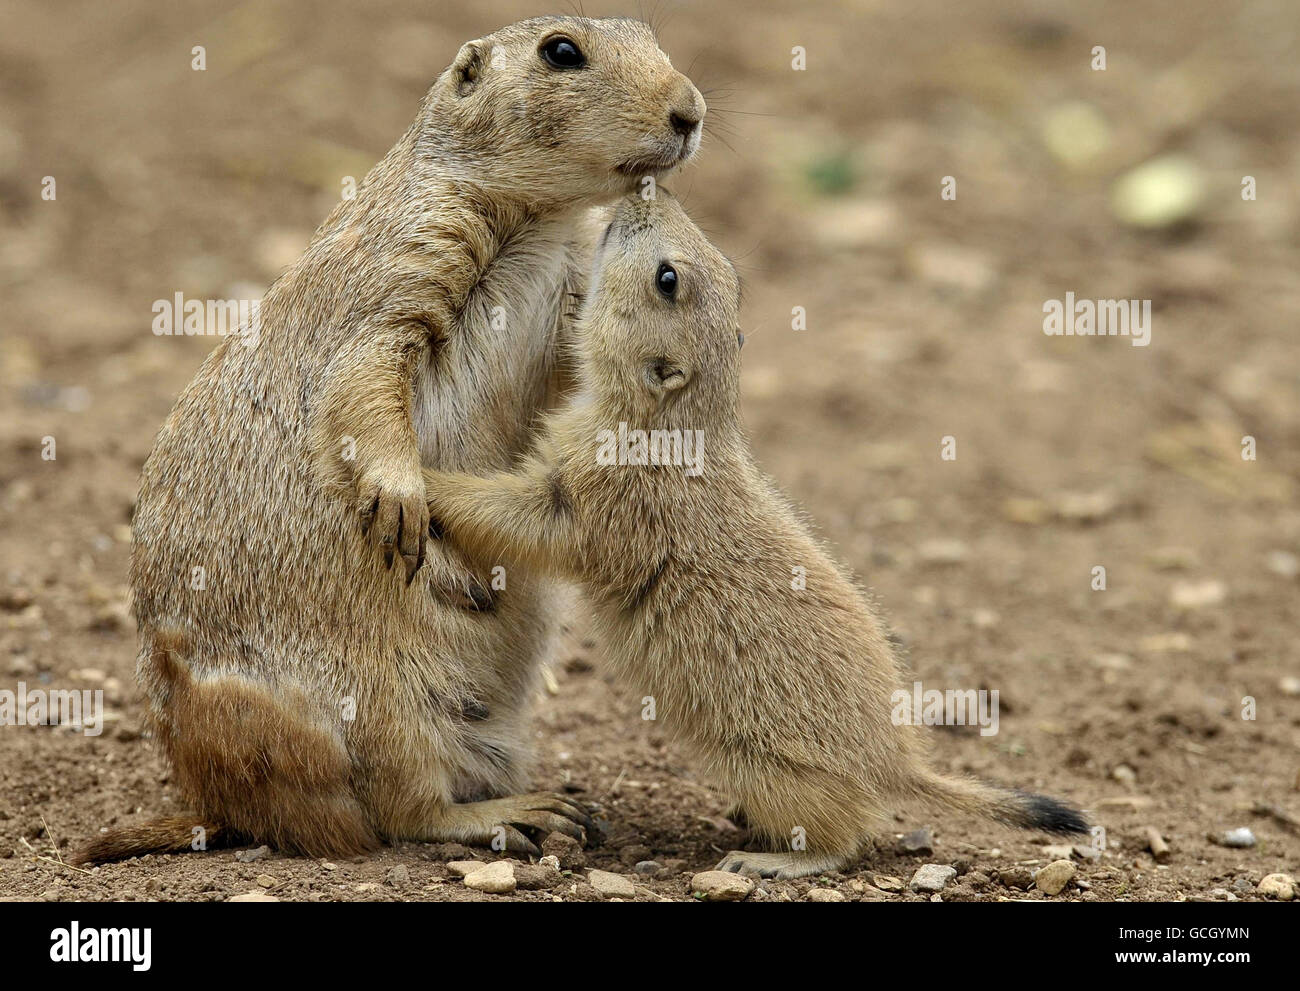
(467, 70)
(663, 375)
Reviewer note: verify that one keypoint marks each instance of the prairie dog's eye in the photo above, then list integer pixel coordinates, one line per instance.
(740, 339)
(666, 281)
(562, 53)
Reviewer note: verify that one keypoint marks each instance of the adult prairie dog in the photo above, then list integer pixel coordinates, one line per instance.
(319, 678)
(687, 551)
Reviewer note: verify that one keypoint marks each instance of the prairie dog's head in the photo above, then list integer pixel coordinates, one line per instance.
(562, 109)
(660, 325)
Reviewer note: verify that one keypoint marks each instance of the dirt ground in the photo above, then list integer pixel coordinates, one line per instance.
(924, 321)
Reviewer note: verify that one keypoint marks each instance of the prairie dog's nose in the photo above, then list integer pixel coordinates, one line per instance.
(686, 109)
(682, 125)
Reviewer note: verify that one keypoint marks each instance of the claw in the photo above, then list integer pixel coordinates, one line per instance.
(368, 517)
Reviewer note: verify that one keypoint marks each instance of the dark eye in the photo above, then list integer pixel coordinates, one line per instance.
(666, 281)
(740, 339)
(562, 53)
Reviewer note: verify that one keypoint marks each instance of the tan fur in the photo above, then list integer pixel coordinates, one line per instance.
(310, 694)
(783, 694)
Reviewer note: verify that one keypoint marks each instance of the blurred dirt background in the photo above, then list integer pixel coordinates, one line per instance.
(924, 320)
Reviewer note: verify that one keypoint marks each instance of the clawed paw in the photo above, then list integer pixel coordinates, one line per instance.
(532, 817)
(396, 519)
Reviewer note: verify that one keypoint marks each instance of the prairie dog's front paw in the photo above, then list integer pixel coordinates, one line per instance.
(394, 513)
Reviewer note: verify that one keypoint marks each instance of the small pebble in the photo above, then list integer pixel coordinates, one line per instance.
(1161, 193)
(1241, 837)
(1052, 879)
(1086, 507)
(824, 895)
(497, 878)
(566, 849)
(721, 886)
(917, 841)
(931, 877)
(887, 883)
(1279, 886)
(1166, 643)
(611, 885)
(1197, 595)
(1017, 877)
(463, 868)
(1028, 511)
(537, 877)
(1284, 563)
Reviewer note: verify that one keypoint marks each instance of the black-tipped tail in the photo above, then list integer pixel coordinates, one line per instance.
(1022, 809)
(1049, 814)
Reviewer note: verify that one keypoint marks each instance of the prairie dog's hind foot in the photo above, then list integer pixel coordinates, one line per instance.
(521, 822)
(782, 866)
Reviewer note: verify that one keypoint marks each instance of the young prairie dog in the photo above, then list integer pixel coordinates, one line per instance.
(320, 680)
(784, 695)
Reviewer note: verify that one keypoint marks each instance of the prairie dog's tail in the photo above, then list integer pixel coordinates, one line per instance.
(1021, 809)
(169, 834)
